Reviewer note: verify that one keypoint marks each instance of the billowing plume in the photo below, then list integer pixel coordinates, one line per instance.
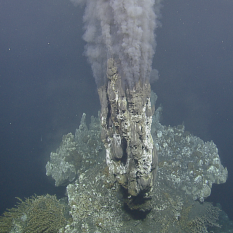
(123, 30)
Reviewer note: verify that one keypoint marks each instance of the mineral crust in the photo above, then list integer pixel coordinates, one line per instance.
(126, 118)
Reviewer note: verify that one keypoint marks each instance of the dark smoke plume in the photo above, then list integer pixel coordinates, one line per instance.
(123, 30)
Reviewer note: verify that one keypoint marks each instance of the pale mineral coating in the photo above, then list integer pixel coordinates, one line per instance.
(76, 153)
(93, 202)
(97, 205)
(88, 139)
(126, 118)
(61, 171)
(186, 162)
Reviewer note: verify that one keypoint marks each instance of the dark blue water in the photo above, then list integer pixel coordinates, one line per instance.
(46, 84)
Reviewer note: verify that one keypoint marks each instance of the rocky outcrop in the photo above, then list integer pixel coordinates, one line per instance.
(76, 153)
(126, 118)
